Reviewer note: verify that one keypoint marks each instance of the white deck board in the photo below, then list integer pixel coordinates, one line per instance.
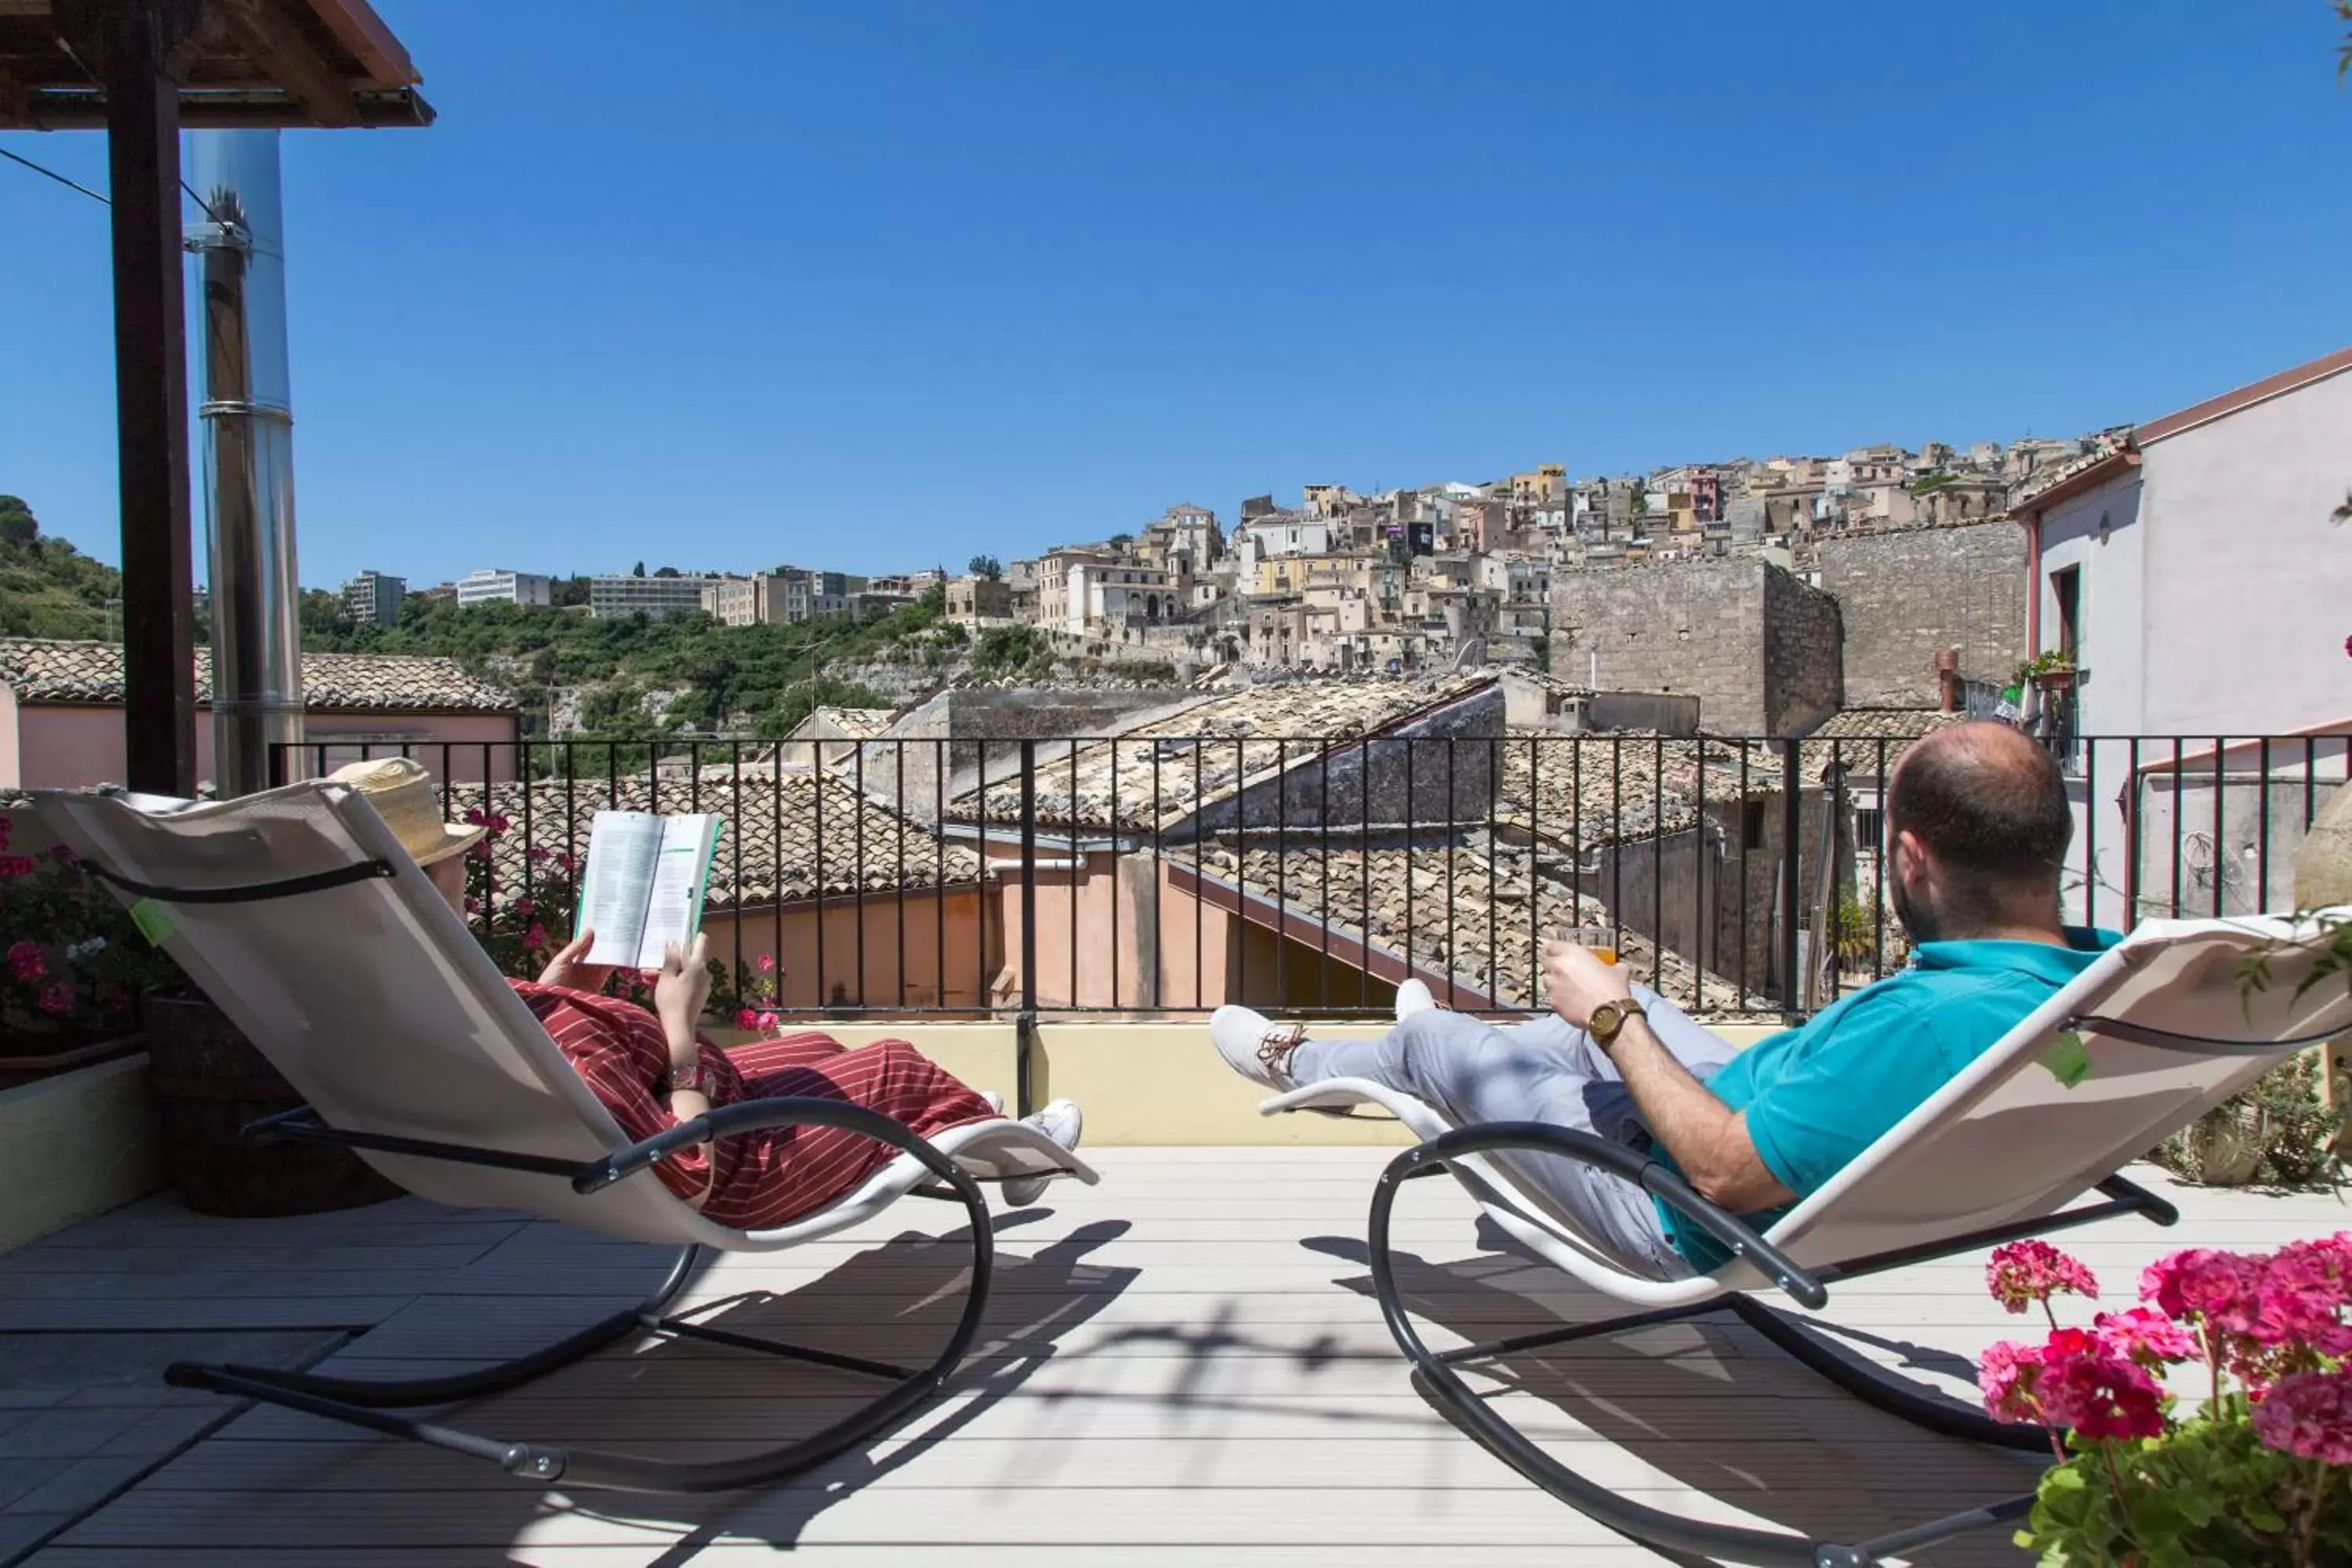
(1182, 1366)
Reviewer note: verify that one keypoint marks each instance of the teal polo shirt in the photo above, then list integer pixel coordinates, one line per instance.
(1818, 1096)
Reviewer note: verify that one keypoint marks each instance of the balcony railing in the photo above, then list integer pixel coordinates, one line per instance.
(1158, 875)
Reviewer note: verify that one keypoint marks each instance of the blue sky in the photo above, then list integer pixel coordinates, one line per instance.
(880, 285)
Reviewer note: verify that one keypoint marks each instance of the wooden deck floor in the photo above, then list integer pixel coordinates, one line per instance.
(1184, 1364)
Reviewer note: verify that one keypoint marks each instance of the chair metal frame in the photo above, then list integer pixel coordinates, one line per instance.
(371, 1404)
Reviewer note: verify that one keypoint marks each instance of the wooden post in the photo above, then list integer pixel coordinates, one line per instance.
(151, 373)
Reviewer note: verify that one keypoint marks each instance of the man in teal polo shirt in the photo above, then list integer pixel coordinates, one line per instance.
(1979, 824)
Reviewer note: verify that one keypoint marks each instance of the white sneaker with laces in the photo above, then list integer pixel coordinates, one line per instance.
(1064, 1124)
(1412, 996)
(1255, 1046)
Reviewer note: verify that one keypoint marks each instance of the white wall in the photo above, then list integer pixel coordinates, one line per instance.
(2112, 698)
(2249, 585)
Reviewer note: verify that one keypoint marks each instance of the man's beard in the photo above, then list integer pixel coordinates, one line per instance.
(1921, 922)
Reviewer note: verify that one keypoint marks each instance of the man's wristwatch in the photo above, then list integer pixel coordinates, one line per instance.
(694, 1078)
(1609, 1019)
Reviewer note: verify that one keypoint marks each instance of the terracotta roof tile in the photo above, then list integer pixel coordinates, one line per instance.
(767, 846)
(46, 669)
(1233, 741)
(1500, 918)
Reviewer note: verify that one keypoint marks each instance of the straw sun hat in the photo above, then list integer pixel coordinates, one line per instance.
(402, 793)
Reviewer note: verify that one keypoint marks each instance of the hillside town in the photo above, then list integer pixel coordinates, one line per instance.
(1398, 581)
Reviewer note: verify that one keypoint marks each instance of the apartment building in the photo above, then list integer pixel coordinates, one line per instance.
(498, 586)
(614, 598)
(375, 596)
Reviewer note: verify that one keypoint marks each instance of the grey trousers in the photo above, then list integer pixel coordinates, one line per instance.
(1540, 1070)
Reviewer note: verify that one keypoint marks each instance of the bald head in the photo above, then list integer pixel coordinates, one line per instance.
(1985, 809)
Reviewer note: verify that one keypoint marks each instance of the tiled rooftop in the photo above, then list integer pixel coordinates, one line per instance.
(48, 669)
(1594, 790)
(1243, 738)
(1479, 910)
(1864, 738)
(849, 723)
(768, 844)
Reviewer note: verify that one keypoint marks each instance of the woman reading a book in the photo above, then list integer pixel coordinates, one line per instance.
(652, 1069)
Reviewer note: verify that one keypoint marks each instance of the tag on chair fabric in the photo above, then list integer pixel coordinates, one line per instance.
(2068, 1062)
(154, 920)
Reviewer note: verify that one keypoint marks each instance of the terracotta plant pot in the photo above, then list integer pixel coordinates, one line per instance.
(209, 1082)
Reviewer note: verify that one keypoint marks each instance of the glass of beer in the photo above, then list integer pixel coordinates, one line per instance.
(1600, 939)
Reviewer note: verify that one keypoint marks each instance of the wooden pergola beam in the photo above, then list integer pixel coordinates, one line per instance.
(261, 27)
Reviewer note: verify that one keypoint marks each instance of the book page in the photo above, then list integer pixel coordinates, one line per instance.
(622, 848)
(681, 871)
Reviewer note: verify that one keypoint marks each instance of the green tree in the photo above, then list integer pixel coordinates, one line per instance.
(663, 572)
(17, 524)
(638, 570)
(987, 566)
(1121, 541)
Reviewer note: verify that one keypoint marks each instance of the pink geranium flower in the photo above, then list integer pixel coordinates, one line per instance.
(2027, 1271)
(2144, 1336)
(522, 908)
(2300, 1294)
(747, 1019)
(2203, 1283)
(767, 1021)
(767, 963)
(25, 961)
(16, 866)
(536, 937)
(2100, 1395)
(2309, 1415)
(58, 996)
(6, 826)
(2007, 1375)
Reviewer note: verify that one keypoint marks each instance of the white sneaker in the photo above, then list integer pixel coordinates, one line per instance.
(1064, 1124)
(1412, 996)
(1255, 1046)
(995, 1100)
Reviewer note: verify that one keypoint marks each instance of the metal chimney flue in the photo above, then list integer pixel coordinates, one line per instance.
(249, 455)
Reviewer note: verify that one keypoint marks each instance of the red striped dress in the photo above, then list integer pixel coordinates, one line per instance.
(759, 1180)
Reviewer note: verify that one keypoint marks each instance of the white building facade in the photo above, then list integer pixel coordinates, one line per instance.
(2197, 583)
(499, 586)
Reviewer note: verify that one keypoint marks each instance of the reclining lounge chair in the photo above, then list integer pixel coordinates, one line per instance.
(2152, 1036)
(299, 913)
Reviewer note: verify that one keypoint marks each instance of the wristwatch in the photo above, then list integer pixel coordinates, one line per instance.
(695, 1078)
(1609, 1019)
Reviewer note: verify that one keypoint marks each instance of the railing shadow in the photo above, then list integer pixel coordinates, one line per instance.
(1708, 1405)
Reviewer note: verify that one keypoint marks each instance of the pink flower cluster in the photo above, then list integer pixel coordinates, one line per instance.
(25, 961)
(750, 1018)
(2309, 1415)
(2027, 1271)
(2075, 1380)
(2279, 1322)
(15, 866)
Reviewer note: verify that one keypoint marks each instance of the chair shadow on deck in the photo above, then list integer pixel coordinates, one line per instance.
(1710, 1405)
(896, 1299)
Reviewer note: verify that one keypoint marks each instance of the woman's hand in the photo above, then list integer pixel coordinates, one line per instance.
(682, 987)
(568, 969)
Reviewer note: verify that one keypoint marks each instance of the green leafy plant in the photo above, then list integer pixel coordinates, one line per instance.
(2260, 1475)
(2280, 1132)
(75, 965)
(2049, 661)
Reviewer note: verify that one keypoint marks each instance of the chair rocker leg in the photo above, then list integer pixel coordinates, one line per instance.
(1924, 1410)
(1652, 1527)
(370, 1405)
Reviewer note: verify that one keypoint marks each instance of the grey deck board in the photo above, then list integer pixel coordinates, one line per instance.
(1182, 1366)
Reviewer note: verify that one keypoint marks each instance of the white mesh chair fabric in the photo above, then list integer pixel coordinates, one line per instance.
(2013, 1138)
(382, 1011)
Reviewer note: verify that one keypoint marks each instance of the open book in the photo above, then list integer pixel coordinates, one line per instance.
(644, 884)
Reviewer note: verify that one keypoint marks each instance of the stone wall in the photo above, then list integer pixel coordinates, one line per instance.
(1802, 639)
(1755, 646)
(1906, 596)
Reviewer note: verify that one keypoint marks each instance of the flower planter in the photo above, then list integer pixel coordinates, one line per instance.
(209, 1082)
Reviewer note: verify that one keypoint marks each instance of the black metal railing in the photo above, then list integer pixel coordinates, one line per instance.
(1169, 874)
